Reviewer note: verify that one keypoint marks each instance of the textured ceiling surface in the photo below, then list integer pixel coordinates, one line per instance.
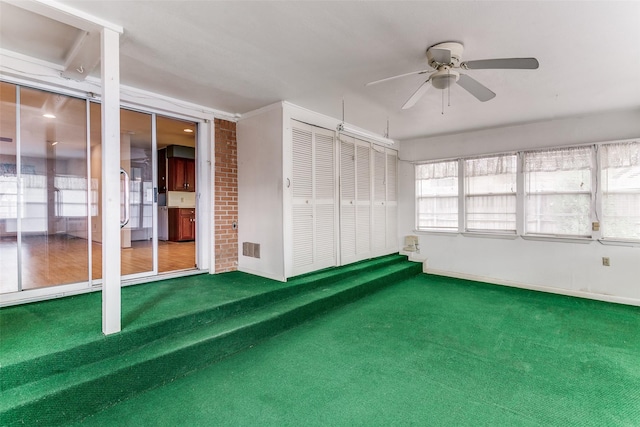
(240, 56)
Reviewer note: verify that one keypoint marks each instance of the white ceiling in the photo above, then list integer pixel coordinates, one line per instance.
(240, 56)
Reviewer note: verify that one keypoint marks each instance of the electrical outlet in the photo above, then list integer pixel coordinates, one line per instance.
(605, 261)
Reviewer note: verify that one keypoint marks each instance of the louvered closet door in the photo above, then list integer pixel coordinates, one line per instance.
(347, 199)
(363, 197)
(324, 175)
(314, 198)
(392, 201)
(379, 201)
(355, 200)
(302, 187)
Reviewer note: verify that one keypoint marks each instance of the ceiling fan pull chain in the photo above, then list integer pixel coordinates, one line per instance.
(442, 103)
(448, 91)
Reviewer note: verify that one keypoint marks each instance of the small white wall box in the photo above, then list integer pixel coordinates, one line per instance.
(411, 243)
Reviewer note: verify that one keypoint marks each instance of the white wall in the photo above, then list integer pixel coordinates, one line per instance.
(260, 201)
(561, 267)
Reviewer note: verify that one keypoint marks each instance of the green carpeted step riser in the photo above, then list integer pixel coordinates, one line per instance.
(36, 369)
(74, 403)
(347, 269)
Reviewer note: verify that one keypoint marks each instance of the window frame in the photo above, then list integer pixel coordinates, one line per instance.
(595, 208)
(465, 195)
(417, 199)
(591, 192)
(599, 208)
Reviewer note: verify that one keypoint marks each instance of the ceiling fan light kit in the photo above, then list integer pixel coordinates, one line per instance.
(444, 78)
(444, 57)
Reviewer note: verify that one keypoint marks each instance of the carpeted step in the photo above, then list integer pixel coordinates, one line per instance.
(76, 393)
(34, 369)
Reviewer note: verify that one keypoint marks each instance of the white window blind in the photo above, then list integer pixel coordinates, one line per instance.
(490, 193)
(620, 164)
(437, 196)
(558, 191)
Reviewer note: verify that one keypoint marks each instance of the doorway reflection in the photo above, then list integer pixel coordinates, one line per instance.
(53, 166)
(177, 194)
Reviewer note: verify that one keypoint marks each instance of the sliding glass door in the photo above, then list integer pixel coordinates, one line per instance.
(43, 189)
(51, 184)
(137, 192)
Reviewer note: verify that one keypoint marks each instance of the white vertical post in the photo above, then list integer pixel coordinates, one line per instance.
(110, 71)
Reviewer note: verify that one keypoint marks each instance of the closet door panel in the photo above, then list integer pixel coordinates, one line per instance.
(380, 229)
(379, 199)
(324, 235)
(302, 188)
(302, 236)
(302, 164)
(392, 201)
(314, 204)
(363, 231)
(324, 175)
(347, 200)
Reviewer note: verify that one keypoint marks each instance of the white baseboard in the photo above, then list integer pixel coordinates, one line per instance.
(262, 274)
(559, 291)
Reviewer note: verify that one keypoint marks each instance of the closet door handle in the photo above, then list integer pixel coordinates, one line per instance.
(127, 208)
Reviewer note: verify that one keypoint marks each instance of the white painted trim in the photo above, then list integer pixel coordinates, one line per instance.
(262, 110)
(15, 58)
(543, 238)
(154, 186)
(53, 292)
(262, 274)
(28, 71)
(207, 141)
(111, 262)
(66, 14)
(40, 294)
(612, 242)
(487, 235)
(558, 291)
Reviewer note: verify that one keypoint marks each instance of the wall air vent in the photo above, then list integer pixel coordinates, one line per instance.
(251, 249)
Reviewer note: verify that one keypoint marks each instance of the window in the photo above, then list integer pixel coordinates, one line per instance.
(620, 165)
(490, 193)
(558, 192)
(437, 196)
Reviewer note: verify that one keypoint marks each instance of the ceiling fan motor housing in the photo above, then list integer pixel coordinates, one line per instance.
(454, 48)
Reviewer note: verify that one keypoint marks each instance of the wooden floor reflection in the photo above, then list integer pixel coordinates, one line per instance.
(61, 259)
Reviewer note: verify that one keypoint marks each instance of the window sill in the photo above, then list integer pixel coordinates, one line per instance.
(629, 243)
(437, 232)
(484, 235)
(542, 238)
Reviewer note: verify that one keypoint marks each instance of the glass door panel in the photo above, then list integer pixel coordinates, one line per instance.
(136, 162)
(8, 190)
(53, 176)
(136, 159)
(177, 199)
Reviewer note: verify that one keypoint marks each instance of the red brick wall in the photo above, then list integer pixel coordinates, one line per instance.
(226, 199)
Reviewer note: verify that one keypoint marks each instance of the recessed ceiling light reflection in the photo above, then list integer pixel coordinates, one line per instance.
(49, 115)
(188, 130)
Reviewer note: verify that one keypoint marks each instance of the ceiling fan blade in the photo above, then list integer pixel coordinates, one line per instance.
(504, 63)
(417, 95)
(475, 88)
(397, 77)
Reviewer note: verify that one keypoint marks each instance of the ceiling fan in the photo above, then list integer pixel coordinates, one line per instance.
(444, 59)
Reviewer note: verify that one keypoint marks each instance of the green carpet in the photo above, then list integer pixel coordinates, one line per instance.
(41, 329)
(177, 326)
(428, 351)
